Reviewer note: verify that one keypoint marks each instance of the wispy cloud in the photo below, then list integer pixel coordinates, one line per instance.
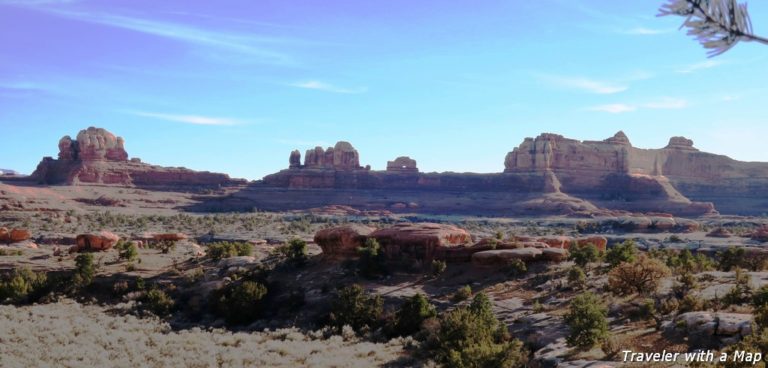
(643, 31)
(259, 48)
(189, 119)
(585, 84)
(666, 103)
(691, 68)
(326, 87)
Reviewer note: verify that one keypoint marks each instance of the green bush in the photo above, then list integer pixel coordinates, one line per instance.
(587, 321)
(412, 314)
(742, 291)
(471, 336)
(127, 251)
(371, 263)
(225, 249)
(582, 255)
(295, 251)
(516, 267)
(577, 278)
(730, 258)
(464, 293)
(624, 252)
(239, 302)
(21, 285)
(760, 297)
(691, 303)
(158, 302)
(85, 270)
(355, 308)
(438, 267)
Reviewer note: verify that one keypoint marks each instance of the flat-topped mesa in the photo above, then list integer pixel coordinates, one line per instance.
(402, 164)
(554, 152)
(99, 157)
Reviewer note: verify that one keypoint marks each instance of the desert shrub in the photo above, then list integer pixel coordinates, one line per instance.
(225, 249)
(516, 267)
(623, 252)
(295, 251)
(730, 258)
(675, 239)
(120, 288)
(371, 263)
(686, 282)
(577, 278)
(464, 293)
(127, 251)
(471, 336)
(411, 315)
(756, 342)
(685, 262)
(761, 316)
(239, 302)
(157, 302)
(85, 270)
(165, 246)
(438, 267)
(741, 292)
(644, 311)
(11, 252)
(641, 276)
(355, 308)
(760, 297)
(585, 254)
(587, 321)
(21, 285)
(691, 303)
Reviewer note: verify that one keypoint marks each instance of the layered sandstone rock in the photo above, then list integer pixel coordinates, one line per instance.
(97, 156)
(96, 242)
(342, 241)
(14, 235)
(402, 164)
(502, 257)
(422, 242)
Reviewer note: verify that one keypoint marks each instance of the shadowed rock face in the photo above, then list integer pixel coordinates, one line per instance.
(99, 157)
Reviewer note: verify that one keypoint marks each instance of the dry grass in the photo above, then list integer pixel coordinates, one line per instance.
(68, 334)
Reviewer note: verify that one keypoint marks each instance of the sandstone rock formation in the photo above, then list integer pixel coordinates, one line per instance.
(402, 164)
(96, 242)
(422, 242)
(342, 241)
(502, 257)
(14, 235)
(704, 328)
(720, 232)
(548, 174)
(97, 156)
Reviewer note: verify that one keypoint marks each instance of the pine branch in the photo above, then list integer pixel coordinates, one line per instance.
(717, 24)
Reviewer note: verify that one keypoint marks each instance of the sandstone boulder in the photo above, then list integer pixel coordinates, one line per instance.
(554, 254)
(96, 242)
(704, 328)
(99, 144)
(720, 232)
(342, 241)
(173, 237)
(18, 235)
(421, 242)
(5, 235)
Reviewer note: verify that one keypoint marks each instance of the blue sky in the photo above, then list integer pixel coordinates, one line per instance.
(233, 86)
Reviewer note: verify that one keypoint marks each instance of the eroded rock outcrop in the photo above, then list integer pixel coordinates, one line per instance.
(14, 235)
(421, 242)
(95, 242)
(97, 156)
(403, 164)
(342, 241)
